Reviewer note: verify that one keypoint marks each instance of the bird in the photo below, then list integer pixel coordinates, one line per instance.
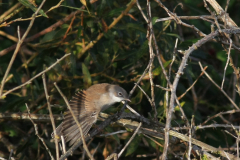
(86, 106)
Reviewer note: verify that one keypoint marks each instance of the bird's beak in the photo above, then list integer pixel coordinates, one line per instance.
(127, 100)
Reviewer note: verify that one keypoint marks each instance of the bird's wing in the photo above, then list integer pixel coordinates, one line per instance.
(86, 114)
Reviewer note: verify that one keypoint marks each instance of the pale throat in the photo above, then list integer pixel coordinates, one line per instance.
(108, 99)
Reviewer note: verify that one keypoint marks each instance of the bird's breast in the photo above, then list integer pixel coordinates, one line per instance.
(105, 102)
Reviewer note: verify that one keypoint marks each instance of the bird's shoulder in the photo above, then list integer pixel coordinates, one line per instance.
(98, 89)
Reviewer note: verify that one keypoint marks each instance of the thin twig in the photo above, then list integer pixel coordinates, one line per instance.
(51, 116)
(226, 7)
(185, 17)
(226, 19)
(149, 99)
(234, 104)
(47, 30)
(169, 76)
(207, 126)
(131, 109)
(139, 80)
(24, 116)
(139, 7)
(9, 11)
(134, 134)
(180, 97)
(63, 145)
(116, 20)
(230, 134)
(173, 59)
(18, 47)
(166, 89)
(201, 144)
(178, 20)
(54, 7)
(152, 55)
(36, 132)
(75, 119)
(113, 133)
(160, 61)
(190, 140)
(237, 141)
(176, 80)
(228, 58)
(153, 140)
(159, 144)
(158, 56)
(113, 155)
(39, 74)
(156, 48)
(237, 138)
(10, 155)
(221, 113)
(183, 114)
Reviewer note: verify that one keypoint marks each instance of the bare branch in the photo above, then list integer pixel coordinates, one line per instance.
(21, 40)
(51, 116)
(36, 132)
(228, 59)
(39, 74)
(233, 103)
(134, 134)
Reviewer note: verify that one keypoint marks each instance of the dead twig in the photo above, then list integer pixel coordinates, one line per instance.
(180, 97)
(36, 132)
(233, 103)
(51, 116)
(152, 55)
(39, 74)
(228, 59)
(21, 40)
(134, 134)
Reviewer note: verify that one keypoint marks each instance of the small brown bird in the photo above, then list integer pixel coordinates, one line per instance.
(86, 106)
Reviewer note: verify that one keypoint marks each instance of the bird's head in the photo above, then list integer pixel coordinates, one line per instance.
(118, 94)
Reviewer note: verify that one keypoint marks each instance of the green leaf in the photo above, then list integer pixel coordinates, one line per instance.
(137, 54)
(11, 132)
(158, 70)
(181, 104)
(74, 8)
(173, 35)
(103, 58)
(221, 55)
(60, 33)
(115, 136)
(136, 27)
(27, 4)
(86, 76)
(116, 11)
(73, 64)
(49, 36)
(133, 145)
(154, 20)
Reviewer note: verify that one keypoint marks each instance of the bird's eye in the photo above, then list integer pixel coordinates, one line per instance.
(120, 94)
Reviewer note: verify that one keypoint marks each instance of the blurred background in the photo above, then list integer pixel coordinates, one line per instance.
(119, 56)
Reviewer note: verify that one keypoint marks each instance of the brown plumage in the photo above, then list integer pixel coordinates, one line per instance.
(86, 106)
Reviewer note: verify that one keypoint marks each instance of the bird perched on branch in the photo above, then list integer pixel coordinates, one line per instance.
(86, 105)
